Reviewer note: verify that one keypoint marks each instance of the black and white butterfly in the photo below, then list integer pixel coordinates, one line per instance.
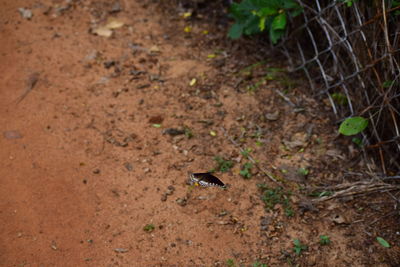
(205, 179)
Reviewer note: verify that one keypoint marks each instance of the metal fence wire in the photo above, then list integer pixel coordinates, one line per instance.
(349, 51)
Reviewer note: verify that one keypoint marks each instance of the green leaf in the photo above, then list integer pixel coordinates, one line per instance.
(235, 32)
(267, 11)
(383, 242)
(261, 25)
(149, 227)
(303, 171)
(279, 22)
(387, 84)
(324, 240)
(275, 35)
(353, 125)
(290, 4)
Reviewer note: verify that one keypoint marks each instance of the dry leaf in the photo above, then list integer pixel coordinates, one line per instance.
(193, 82)
(155, 49)
(102, 31)
(113, 23)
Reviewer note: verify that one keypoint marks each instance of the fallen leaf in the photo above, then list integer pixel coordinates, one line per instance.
(187, 14)
(25, 13)
(113, 23)
(187, 29)
(272, 116)
(121, 250)
(339, 219)
(154, 49)
(213, 133)
(193, 82)
(102, 31)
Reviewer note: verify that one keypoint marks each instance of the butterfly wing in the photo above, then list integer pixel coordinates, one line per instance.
(206, 179)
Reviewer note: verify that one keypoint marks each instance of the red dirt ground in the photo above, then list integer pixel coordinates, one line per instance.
(86, 164)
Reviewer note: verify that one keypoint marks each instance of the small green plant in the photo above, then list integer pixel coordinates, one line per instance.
(188, 132)
(257, 264)
(246, 171)
(274, 196)
(383, 242)
(353, 126)
(230, 262)
(223, 165)
(246, 152)
(256, 16)
(324, 240)
(303, 171)
(149, 227)
(298, 246)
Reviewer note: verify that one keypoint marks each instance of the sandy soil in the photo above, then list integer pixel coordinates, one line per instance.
(87, 160)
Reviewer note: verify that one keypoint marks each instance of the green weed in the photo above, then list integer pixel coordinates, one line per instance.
(298, 247)
(149, 227)
(324, 240)
(223, 165)
(230, 262)
(246, 171)
(274, 196)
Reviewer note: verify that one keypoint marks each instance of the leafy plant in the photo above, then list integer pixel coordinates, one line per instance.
(324, 240)
(245, 172)
(274, 196)
(353, 126)
(255, 16)
(383, 242)
(298, 247)
(223, 165)
(230, 262)
(149, 227)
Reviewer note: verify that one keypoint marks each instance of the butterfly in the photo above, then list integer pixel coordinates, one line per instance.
(205, 179)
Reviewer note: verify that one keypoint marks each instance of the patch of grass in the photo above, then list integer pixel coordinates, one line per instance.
(230, 262)
(149, 227)
(324, 240)
(298, 246)
(246, 171)
(274, 196)
(223, 165)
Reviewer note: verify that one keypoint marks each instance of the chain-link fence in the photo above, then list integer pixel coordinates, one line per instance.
(349, 51)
